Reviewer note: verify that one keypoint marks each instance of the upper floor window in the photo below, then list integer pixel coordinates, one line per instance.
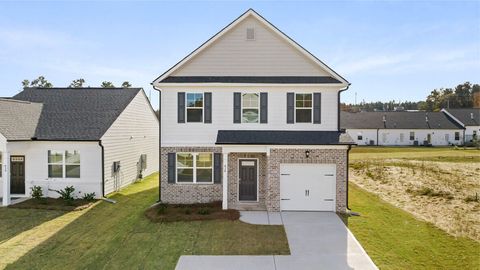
(194, 107)
(63, 164)
(303, 108)
(250, 108)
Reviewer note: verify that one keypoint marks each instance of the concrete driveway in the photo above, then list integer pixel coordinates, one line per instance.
(318, 240)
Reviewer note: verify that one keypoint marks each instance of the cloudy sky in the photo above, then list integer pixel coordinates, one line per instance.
(397, 50)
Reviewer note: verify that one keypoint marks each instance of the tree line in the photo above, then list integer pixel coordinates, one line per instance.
(42, 82)
(461, 96)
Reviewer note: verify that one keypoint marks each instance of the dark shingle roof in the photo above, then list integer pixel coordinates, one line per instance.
(77, 114)
(280, 137)
(252, 79)
(18, 119)
(396, 120)
(465, 116)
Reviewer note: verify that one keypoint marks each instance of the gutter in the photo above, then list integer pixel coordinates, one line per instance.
(348, 160)
(159, 142)
(103, 168)
(338, 105)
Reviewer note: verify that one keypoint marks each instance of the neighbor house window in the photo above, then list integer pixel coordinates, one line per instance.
(63, 164)
(250, 108)
(402, 137)
(194, 168)
(303, 108)
(194, 107)
(359, 137)
(457, 136)
(447, 137)
(412, 136)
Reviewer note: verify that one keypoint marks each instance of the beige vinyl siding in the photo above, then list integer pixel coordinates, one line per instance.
(267, 55)
(135, 132)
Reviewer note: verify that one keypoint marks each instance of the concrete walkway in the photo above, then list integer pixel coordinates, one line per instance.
(318, 240)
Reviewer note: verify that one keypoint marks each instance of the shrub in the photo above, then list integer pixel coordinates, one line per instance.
(67, 194)
(37, 192)
(89, 196)
(204, 211)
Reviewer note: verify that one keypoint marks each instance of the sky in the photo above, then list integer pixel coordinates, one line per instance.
(387, 50)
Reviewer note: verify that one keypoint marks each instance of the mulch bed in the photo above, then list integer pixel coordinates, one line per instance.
(53, 204)
(190, 212)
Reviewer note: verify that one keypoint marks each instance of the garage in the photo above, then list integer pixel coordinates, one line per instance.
(307, 187)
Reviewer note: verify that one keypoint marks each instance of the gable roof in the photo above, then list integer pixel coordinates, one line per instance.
(18, 119)
(83, 114)
(396, 120)
(167, 78)
(467, 116)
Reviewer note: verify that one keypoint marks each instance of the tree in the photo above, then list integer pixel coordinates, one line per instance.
(106, 84)
(39, 82)
(77, 83)
(126, 84)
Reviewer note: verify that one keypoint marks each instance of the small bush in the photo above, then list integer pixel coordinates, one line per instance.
(36, 192)
(472, 198)
(89, 196)
(204, 211)
(67, 194)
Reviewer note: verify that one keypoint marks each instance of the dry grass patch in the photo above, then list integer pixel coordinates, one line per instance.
(190, 212)
(443, 193)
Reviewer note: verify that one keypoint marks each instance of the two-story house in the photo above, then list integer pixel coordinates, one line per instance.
(251, 118)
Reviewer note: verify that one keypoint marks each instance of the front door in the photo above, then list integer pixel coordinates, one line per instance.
(17, 175)
(247, 186)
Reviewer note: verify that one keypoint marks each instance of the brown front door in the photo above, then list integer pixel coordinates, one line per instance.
(17, 175)
(247, 186)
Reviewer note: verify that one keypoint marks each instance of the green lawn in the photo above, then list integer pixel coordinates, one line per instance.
(447, 154)
(118, 236)
(394, 239)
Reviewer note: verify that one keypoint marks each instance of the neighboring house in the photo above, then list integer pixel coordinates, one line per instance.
(402, 128)
(469, 119)
(95, 139)
(251, 118)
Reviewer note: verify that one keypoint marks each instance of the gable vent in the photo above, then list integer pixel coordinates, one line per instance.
(250, 33)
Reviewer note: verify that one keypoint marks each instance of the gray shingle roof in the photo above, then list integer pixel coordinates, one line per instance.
(396, 120)
(465, 116)
(251, 79)
(77, 114)
(18, 119)
(280, 137)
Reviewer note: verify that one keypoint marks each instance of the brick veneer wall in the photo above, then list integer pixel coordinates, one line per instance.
(187, 193)
(233, 202)
(325, 156)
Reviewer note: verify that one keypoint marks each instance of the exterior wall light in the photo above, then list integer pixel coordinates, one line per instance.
(307, 154)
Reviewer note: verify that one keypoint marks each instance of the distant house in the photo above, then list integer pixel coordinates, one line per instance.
(94, 139)
(469, 119)
(402, 128)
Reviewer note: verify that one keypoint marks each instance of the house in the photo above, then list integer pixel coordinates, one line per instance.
(95, 139)
(402, 128)
(251, 118)
(469, 119)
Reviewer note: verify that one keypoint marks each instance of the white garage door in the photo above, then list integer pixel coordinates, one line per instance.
(307, 187)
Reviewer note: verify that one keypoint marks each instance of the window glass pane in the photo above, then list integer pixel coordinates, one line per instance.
(55, 171)
(194, 115)
(185, 175)
(250, 116)
(303, 100)
(250, 100)
(204, 160)
(204, 175)
(72, 171)
(72, 157)
(185, 160)
(303, 116)
(55, 157)
(194, 100)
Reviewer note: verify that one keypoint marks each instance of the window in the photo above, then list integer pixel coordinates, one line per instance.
(457, 136)
(63, 164)
(250, 108)
(412, 136)
(447, 137)
(250, 33)
(359, 137)
(194, 168)
(402, 136)
(194, 107)
(303, 108)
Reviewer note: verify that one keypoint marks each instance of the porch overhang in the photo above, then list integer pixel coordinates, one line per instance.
(282, 137)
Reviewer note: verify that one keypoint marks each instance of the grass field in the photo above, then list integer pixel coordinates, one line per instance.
(118, 236)
(447, 154)
(395, 239)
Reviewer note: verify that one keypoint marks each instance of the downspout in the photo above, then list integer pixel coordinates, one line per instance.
(159, 142)
(377, 135)
(348, 160)
(349, 147)
(103, 168)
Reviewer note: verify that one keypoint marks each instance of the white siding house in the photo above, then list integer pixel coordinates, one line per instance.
(72, 137)
(469, 119)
